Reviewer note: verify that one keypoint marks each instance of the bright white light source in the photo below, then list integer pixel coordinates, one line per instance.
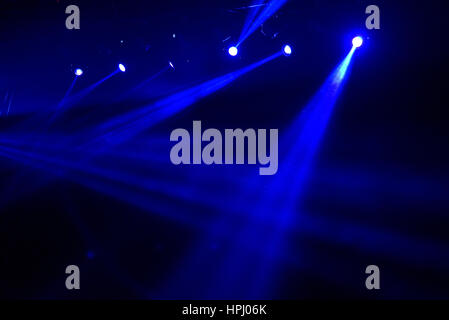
(233, 51)
(287, 50)
(122, 67)
(171, 64)
(357, 42)
(78, 72)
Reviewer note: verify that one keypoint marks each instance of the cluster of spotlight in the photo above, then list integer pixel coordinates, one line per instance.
(287, 49)
(121, 67)
(79, 72)
(233, 51)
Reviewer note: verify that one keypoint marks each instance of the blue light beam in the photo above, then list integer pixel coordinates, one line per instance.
(126, 126)
(303, 138)
(69, 102)
(268, 11)
(254, 9)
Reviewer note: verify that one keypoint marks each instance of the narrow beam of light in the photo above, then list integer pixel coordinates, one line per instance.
(50, 117)
(257, 4)
(268, 11)
(146, 81)
(68, 92)
(70, 101)
(254, 9)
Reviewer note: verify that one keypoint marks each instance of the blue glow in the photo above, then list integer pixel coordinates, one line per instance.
(171, 64)
(121, 67)
(287, 50)
(233, 51)
(78, 72)
(90, 254)
(357, 42)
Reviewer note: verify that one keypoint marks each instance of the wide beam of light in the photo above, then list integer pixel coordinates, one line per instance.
(303, 141)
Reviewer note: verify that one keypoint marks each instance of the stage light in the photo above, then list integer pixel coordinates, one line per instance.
(121, 67)
(171, 64)
(233, 51)
(287, 50)
(78, 72)
(357, 42)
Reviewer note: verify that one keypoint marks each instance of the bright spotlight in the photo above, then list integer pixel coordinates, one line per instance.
(287, 50)
(171, 64)
(78, 72)
(233, 51)
(357, 42)
(121, 67)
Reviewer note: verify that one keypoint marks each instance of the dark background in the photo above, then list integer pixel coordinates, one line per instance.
(377, 192)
